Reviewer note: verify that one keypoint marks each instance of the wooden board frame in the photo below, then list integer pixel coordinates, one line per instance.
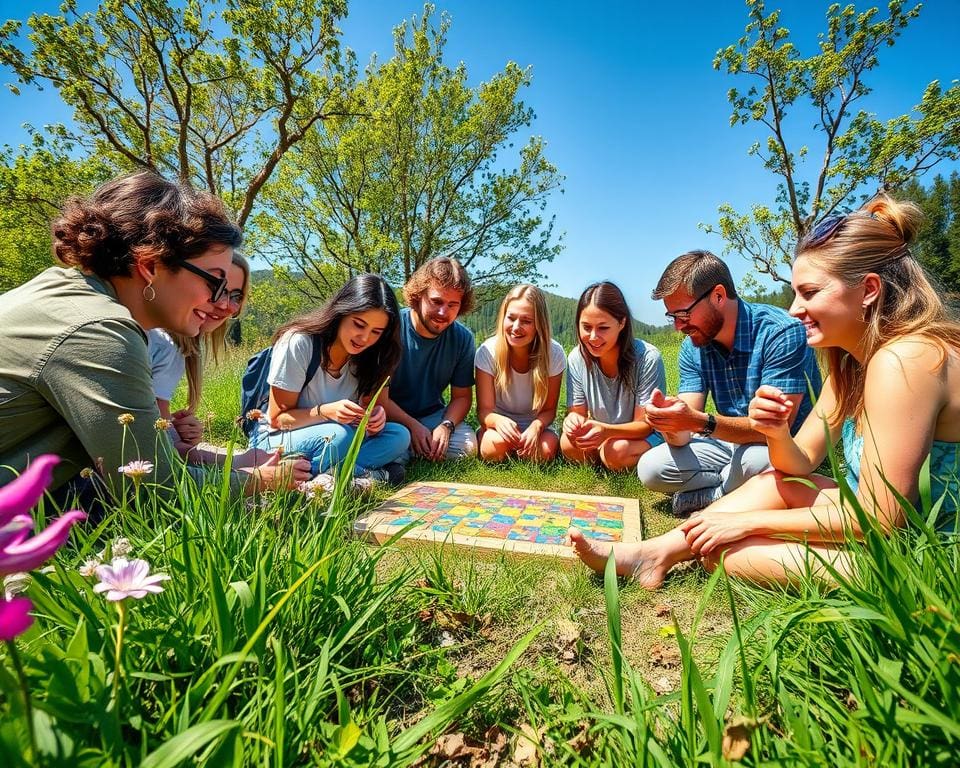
(378, 526)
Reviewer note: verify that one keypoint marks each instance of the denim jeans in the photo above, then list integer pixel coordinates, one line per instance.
(325, 445)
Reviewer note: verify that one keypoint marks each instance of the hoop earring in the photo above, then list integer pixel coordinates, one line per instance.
(149, 292)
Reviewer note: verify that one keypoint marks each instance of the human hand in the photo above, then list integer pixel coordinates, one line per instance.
(666, 413)
(708, 531)
(769, 412)
(342, 411)
(591, 435)
(279, 474)
(377, 420)
(441, 440)
(285, 421)
(188, 426)
(573, 424)
(508, 430)
(421, 440)
(529, 447)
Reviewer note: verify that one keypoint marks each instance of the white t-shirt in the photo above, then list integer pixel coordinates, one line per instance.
(166, 363)
(516, 402)
(288, 370)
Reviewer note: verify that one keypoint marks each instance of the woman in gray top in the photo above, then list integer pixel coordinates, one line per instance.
(610, 377)
(75, 380)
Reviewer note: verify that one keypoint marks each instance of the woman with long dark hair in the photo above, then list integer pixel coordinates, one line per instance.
(140, 253)
(357, 334)
(610, 378)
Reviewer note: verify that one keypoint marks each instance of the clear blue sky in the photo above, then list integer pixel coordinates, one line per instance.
(633, 113)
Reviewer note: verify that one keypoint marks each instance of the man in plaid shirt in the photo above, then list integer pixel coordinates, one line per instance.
(731, 348)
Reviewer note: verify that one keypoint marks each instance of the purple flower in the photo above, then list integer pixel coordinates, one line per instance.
(128, 578)
(19, 551)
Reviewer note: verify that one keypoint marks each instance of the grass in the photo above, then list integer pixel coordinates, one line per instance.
(281, 640)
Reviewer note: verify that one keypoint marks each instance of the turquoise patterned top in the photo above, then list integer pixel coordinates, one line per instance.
(944, 472)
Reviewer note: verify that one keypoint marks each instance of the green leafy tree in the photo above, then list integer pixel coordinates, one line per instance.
(858, 154)
(938, 243)
(418, 168)
(215, 93)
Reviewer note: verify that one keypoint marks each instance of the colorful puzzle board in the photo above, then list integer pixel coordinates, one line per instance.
(532, 522)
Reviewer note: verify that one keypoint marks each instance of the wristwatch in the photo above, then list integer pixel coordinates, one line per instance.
(709, 426)
(448, 425)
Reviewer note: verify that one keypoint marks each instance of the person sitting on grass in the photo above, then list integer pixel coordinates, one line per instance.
(173, 355)
(892, 395)
(141, 253)
(437, 353)
(610, 379)
(518, 376)
(358, 333)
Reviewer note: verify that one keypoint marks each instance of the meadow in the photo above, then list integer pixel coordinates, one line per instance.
(280, 639)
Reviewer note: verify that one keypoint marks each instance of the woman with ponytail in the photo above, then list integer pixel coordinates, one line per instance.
(892, 396)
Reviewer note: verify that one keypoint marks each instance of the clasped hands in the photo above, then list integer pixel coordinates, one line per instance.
(526, 443)
(344, 412)
(668, 414)
(586, 434)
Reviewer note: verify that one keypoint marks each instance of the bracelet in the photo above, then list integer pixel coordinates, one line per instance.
(709, 427)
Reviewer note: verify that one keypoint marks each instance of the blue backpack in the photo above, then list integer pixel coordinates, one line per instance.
(255, 389)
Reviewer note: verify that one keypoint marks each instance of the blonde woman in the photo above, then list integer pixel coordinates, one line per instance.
(518, 374)
(892, 396)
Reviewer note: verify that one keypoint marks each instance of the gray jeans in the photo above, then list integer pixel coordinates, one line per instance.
(463, 440)
(704, 462)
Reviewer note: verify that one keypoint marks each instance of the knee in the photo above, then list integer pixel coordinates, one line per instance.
(571, 452)
(493, 448)
(399, 435)
(618, 455)
(548, 446)
(655, 472)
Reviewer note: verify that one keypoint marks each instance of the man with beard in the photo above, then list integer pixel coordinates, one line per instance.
(732, 347)
(437, 352)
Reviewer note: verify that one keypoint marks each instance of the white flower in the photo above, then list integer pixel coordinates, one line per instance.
(317, 486)
(89, 567)
(123, 579)
(121, 547)
(136, 470)
(15, 584)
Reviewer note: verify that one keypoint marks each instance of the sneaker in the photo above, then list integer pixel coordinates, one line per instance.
(392, 474)
(685, 503)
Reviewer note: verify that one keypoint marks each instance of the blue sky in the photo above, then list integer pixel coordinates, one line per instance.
(633, 113)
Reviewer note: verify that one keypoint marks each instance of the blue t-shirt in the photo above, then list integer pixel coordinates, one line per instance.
(769, 347)
(428, 366)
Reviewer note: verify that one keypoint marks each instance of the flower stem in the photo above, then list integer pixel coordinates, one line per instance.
(121, 609)
(24, 688)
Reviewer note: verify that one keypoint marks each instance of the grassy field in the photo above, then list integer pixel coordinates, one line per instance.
(281, 640)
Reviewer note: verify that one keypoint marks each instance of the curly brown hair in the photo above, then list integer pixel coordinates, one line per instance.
(137, 217)
(445, 273)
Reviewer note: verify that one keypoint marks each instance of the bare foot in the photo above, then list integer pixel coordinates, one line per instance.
(646, 568)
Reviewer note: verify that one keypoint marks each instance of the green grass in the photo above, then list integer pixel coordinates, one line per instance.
(282, 640)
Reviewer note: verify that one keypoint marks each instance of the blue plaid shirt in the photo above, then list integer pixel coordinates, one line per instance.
(769, 347)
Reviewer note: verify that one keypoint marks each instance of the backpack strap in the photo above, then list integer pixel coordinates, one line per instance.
(314, 360)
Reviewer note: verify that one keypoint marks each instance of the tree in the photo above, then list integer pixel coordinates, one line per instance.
(212, 93)
(859, 153)
(938, 243)
(417, 169)
(33, 186)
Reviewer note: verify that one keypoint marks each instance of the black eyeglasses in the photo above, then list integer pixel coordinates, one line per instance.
(218, 285)
(684, 314)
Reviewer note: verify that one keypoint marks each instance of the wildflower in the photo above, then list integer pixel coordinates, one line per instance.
(19, 551)
(136, 470)
(254, 414)
(161, 425)
(317, 486)
(128, 578)
(89, 568)
(15, 584)
(125, 419)
(121, 547)
(86, 473)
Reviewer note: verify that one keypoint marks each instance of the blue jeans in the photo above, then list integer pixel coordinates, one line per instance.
(325, 445)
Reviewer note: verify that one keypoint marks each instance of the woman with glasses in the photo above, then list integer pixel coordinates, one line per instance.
(892, 397)
(173, 355)
(140, 253)
(610, 378)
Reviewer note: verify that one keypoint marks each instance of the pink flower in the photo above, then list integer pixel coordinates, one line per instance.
(136, 470)
(19, 551)
(128, 578)
(15, 618)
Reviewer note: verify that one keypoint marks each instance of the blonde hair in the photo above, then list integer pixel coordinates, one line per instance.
(539, 347)
(876, 239)
(213, 344)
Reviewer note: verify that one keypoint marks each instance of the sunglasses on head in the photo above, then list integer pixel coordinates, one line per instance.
(684, 314)
(218, 285)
